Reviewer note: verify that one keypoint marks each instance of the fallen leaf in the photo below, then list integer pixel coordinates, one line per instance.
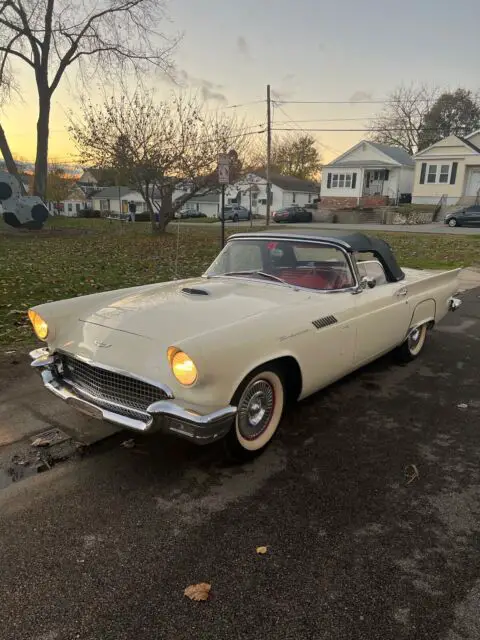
(262, 550)
(411, 472)
(40, 442)
(128, 444)
(198, 592)
(462, 405)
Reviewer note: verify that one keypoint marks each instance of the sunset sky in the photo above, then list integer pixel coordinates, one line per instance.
(306, 49)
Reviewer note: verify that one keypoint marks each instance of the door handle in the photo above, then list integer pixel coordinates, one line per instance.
(402, 292)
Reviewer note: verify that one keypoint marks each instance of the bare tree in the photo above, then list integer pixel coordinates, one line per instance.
(402, 119)
(158, 147)
(99, 36)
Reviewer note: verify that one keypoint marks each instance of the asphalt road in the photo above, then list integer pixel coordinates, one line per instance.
(436, 228)
(359, 545)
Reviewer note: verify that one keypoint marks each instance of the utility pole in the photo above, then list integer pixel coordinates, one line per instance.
(269, 152)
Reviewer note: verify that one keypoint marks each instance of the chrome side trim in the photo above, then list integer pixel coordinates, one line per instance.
(165, 407)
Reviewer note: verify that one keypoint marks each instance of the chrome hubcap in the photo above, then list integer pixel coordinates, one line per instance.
(414, 339)
(256, 409)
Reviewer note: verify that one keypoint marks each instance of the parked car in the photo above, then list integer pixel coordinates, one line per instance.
(466, 217)
(191, 213)
(292, 214)
(276, 317)
(235, 212)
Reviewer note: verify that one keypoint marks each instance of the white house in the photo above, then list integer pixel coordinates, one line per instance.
(251, 192)
(208, 203)
(449, 170)
(369, 174)
(118, 200)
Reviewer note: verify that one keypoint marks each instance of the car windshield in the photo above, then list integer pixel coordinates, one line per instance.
(312, 265)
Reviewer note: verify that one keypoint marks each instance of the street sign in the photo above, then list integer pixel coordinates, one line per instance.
(223, 168)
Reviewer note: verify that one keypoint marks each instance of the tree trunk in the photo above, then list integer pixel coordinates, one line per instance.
(9, 161)
(166, 209)
(41, 160)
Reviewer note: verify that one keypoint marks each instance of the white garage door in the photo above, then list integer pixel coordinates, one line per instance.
(473, 184)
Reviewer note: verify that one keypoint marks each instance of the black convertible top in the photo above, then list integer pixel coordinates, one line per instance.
(351, 242)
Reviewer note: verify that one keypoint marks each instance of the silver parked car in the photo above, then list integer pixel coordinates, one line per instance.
(235, 212)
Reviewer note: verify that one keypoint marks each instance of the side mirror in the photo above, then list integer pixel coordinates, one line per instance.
(368, 283)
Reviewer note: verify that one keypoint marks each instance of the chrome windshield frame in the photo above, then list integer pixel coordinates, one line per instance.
(354, 288)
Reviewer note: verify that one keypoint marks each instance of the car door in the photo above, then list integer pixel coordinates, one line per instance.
(475, 211)
(383, 316)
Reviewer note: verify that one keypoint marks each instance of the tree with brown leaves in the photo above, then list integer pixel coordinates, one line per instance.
(158, 147)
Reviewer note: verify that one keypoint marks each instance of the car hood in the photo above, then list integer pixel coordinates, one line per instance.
(179, 310)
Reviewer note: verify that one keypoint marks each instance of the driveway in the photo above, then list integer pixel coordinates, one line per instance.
(368, 502)
(435, 228)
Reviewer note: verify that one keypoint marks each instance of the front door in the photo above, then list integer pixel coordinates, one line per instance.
(383, 319)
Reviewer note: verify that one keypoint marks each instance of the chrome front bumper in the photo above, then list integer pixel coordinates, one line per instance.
(166, 415)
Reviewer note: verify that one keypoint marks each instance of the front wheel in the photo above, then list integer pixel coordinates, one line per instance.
(260, 402)
(413, 345)
(452, 222)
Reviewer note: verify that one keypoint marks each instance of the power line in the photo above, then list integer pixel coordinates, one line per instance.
(325, 146)
(373, 130)
(387, 101)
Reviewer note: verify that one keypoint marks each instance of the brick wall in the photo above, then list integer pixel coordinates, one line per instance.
(371, 202)
(333, 203)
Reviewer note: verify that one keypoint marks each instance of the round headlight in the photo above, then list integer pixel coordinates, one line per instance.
(183, 367)
(39, 325)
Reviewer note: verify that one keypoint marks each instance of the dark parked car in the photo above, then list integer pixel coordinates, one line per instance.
(467, 217)
(235, 212)
(292, 214)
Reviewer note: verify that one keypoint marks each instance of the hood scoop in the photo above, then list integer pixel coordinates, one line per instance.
(195, 291)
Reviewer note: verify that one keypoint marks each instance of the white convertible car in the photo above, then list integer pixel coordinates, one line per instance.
(276, 317)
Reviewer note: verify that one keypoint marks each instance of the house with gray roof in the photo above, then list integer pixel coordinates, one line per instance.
(286, 191)
(369, 174)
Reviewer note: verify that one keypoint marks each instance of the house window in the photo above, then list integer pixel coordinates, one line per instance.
(294, 198)
(444, 173)
(70, 207)
(438, 173)
(77, 207)
(309, 198)
(341, 181)
(334, 180)
(348, 181)
(432, 173)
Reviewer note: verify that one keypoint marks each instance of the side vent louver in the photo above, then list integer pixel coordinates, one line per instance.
(194, 292)
(324, 322)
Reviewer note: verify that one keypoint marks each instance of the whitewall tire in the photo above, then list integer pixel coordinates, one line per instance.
(260, 402)
(413, 345)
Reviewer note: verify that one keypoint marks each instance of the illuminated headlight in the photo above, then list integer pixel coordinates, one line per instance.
(39, 325)
(182, 366)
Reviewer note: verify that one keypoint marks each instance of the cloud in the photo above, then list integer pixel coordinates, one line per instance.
(243, 47)
(208, 90)
(321, 47)
(360, 96)
(289, 77)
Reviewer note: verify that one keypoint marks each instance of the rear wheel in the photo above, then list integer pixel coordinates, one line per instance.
(235, 218)
(413, 345)
(260, 401)
(452, 222)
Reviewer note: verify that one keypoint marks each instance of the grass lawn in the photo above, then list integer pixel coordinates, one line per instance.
(77, 256)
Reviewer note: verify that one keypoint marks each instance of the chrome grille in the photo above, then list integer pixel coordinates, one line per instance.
(109, 389)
